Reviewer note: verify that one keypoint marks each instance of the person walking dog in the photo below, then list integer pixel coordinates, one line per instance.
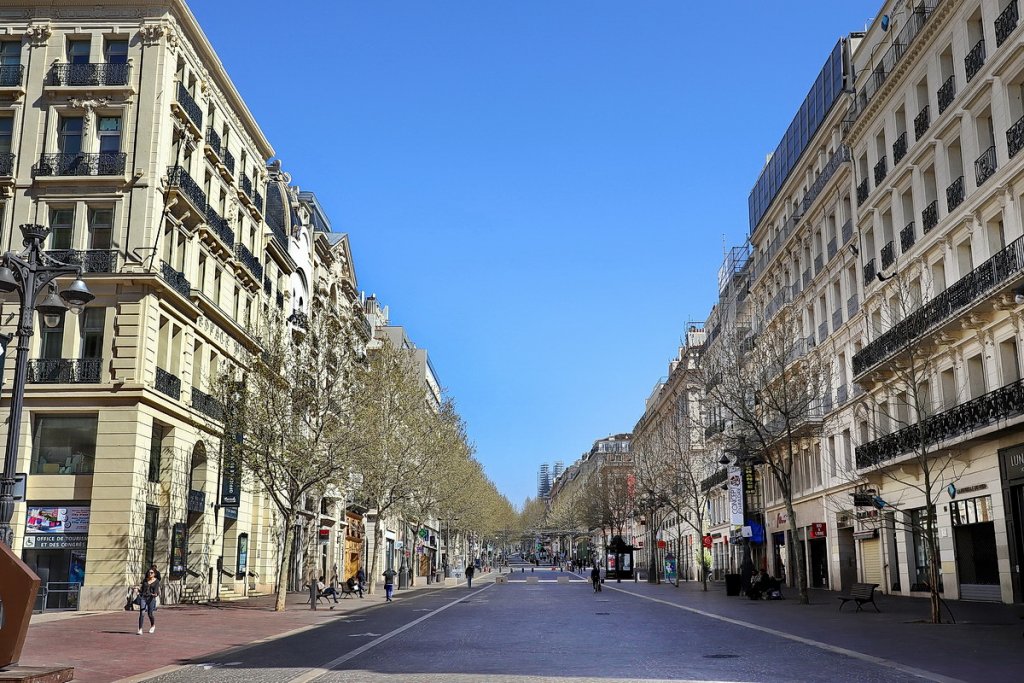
(148, 593)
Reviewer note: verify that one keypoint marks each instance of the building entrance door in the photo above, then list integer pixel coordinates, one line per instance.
(974, 537)
(1017, 541)
(819, 562)
(871, 560)
(847, 558)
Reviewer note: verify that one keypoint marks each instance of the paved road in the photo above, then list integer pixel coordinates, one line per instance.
(532, 632)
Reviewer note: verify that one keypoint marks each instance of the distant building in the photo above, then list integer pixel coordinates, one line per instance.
(544, 481)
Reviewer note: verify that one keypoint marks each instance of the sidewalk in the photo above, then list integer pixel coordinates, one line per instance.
(983, 645)
(103, 646)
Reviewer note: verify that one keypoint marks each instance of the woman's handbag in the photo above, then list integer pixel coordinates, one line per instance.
(129, 605)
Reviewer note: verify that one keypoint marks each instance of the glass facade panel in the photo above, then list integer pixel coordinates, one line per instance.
(64, 444)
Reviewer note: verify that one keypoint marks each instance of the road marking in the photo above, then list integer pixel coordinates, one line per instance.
(880, 661)
(362, 635)
(324, 669)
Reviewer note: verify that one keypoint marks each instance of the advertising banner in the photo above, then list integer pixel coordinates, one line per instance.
(735, 496)
(48, 520)
(179, 549)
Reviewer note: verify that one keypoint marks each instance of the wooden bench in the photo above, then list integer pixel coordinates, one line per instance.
(860, 593)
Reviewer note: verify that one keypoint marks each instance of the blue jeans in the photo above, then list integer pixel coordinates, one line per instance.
(147, 605)
(469, 580)
(388, 590)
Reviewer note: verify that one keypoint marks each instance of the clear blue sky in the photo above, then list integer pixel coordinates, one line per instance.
(539, 189)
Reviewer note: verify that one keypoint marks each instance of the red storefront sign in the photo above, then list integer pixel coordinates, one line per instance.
(818, 530)
(661, 544)
(708, 542)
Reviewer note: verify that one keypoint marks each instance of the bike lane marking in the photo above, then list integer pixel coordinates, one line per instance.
(324, 669)
(880, 661)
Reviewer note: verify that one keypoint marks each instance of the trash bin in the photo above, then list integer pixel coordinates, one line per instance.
(732, 584)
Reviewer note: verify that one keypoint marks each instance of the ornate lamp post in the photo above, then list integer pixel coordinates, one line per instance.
(28, 273)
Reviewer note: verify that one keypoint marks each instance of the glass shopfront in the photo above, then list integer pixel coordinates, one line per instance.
(55, 542)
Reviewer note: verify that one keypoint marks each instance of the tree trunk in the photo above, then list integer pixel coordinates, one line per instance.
(374, 569)
(799, 557)
(286, 563)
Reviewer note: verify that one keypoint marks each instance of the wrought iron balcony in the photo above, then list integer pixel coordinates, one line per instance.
(819, 263)
(899, 148)
(213, 140)
(178, 178)
(955, 194)
(1015, 137)
(975, 59)
(78, 164)
(176, 279)
(823, 331)
(974, 287)
(189, 105)
(985, 165)
(64, 371)
(907, 237)
(12, 75)
(832, 248)
(1006, 22)
(806, 277)
(89, 74)
(258, 201)
(7, 165)
(168, 384)
(268, 286)
(862, 191)
(922, 121)
(299, 319)
(959, 421)
(842, 394)
(881, 170)
(946, 93)
(847, 231)
(207, 405)
(837, 318)
(851, 306)
(220, 226)
(229, 160)
(888, 254)
(91, 260)
(869, 272)
(840, 156)
(246, 184)
(249, 260)
(930, 216)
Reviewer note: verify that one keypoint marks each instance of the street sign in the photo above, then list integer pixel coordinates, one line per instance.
(661, 544)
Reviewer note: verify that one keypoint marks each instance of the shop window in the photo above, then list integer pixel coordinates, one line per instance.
(922, 552)
(64, 444)
(156, 442)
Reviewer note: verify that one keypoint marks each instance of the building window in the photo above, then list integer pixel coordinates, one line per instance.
(109, 128)
(69, 134)
(62, 227)
(156, 442)
(64, 444)
(149, 537)
(101, 223)
(10, 53)
(972, 511)
(92, 321)
(78, 52)
(6, 134)
(51, 339)
(116, 52)
(922, 553)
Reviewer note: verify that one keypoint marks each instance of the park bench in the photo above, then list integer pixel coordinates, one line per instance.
(860, 593)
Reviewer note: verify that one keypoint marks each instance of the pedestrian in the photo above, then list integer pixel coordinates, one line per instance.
(148, 592)
(389, 583)
(470, 570)
(595, 577)
(360, 580)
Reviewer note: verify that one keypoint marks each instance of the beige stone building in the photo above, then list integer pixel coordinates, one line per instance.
(122, 132)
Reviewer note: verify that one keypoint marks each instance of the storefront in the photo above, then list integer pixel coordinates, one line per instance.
(812, 536)
(1011, 464)
(56, 538)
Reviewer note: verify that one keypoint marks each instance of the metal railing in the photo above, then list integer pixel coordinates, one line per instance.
(930, 216)
(80, 164)
(167, 383)
(869, 272)
(907, 237)
(176, 279)
(823, 331)
(819, 263)
(946, 93)
(220, 226)
(229, 160)
(975, 59)
(985, 165)
(1005, 402)
(958, 297)
(899, 148)
(12, 75)
(837, 318)
(64, 371)
(97, 73)
(922, 122)
(955, 194)
(258, 201)
(840, 156)
(1006, 22)
(189, 105)
(249, 260)
(7, 165)
(178, 178)
(1015, 137)
(207, 405)
(91, 260)
(246, 184)
(832, 249)
(213, 140)
(851, 306)
(847, 232)
(888, 254)
(862, 191)
(881, 170)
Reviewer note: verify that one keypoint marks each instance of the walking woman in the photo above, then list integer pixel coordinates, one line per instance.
(148, 592)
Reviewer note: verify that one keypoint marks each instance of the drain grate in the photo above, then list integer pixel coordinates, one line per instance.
(720, 656)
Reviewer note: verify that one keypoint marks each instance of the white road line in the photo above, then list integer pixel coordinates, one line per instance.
(881, 661)
(326, 668)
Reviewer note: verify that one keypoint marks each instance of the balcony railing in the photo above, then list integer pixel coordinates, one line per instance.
(91, 260)
(220, 226)
(869, 272)
(907, 237)
(930, 216)
(213, 140)
(840, 156)
(178, 177)
(822, 331)
(985, 165)
(168, 384)
(249, 261)
(922, 121)
(995, 406)
(89, 74)
(246, 184)
(12, 75)
(1015, 137)
(189, 105)
(207, 405)
(257, 199)
(6, 165)
(961, 295)
(806, 278)
(881, 170)
(299, 319)
(888, 254)
(946, 93)
(1006, 22)
(847, 231)
(229, 160)
(79, 164)
(862, 191)
(899, 148)
(64, 371)
(975, 59)
(851, 306)
(837, 318)
(176, 279)
(832, 248)
(955, 194)
(819, 263)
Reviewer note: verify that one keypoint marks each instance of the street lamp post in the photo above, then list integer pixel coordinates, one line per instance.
(27, 273)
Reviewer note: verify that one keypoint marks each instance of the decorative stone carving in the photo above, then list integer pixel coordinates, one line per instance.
(150, 33)
(38, 34)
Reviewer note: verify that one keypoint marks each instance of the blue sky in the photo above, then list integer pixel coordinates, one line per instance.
(539, 189)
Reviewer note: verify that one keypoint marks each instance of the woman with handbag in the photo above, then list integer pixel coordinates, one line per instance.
(148, 592)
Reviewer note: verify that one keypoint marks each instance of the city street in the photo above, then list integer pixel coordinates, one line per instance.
(630, 631)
